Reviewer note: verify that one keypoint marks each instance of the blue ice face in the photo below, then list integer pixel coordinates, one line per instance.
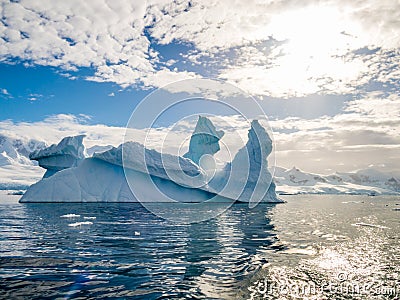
(205, 140)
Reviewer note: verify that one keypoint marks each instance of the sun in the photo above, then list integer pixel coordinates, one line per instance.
(316, 41)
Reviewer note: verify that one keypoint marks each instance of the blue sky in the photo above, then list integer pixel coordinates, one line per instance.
(327, 73)
(38, 92)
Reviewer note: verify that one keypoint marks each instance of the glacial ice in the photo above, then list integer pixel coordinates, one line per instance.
(66, 154)
(96, 180)
(102, 178)
(204, 140)
(250, 163)
(152, 162)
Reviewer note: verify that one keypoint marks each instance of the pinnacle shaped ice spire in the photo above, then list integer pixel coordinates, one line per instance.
(247, 177)
(204, 140)
(259, 145)
(259, 186)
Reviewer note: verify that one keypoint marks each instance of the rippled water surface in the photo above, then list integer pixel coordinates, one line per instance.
(324, 243)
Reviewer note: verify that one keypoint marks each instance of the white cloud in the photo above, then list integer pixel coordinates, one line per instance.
(34, 97)
(316, 40)
(297, 74)
(54, 128)
(268, 48)
(4, 93)
(367, 132)
(105, 35)
(324, 24)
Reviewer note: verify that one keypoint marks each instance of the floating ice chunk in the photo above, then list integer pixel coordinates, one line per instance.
(70, 216)
(80, 224)
(303, 251)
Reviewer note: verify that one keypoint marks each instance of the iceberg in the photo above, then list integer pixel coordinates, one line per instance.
(66, 154)
(103, 177)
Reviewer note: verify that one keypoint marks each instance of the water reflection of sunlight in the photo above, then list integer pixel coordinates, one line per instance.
(366, 258)
(358, 266)
(330, 260)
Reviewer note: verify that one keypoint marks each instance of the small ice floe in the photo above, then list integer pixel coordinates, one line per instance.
(80, 224)
(89, 218)
(137, 233)
(369, 225)
(302, 251)
(70, 216)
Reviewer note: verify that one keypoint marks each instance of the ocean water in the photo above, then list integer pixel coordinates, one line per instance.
(312, 247)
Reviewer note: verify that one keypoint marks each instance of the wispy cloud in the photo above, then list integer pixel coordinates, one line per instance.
(4, 93)
(34, 97)
(312, 43)
(280, 49)
(54, 128)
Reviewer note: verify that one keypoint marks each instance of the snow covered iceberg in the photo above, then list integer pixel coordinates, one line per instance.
(66, 154)
(103, 177)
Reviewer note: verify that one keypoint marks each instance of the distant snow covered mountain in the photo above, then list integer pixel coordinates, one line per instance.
(367, 181)
(17, 171)
(16, 151)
